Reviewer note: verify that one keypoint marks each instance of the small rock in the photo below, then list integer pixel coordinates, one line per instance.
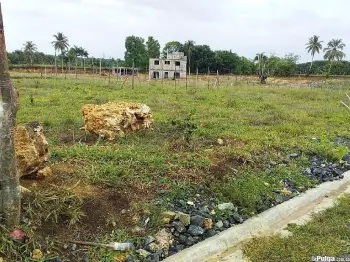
(37, 254)
(308, 171)
(179, 226)
(143, 253)
(154, 257)
(123, 211)
(226, 224)
(184, 218)
(208, 223)
(238, 218)
(149, 240)
(204, 210)
(219, 224)
(164, 239)
(182, 239)
(169, 214)
(273, 163)
(129, 259)
(226, 206)
(197, 221)
(294, 155)
(179, 248)
(346, 158)
(195, 230)
(210, 233)
(153, 247)
(190, 203)
(190, 241)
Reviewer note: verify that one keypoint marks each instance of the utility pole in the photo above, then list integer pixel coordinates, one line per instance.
(133, 74)
(100, 66)
(10, 194)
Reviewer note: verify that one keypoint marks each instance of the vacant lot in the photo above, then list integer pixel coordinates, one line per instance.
(226, 144)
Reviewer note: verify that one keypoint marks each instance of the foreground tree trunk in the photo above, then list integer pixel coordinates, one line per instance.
(10, 195)
(312, 61)
(55, 63)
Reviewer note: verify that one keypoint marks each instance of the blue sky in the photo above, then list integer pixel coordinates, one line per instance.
(246, 27)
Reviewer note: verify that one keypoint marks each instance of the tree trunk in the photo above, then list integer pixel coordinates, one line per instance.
(330, 67)
(62, 65)
(55, 63)
(189, 64)
(312, 61)
(76, 67)
(10, 194)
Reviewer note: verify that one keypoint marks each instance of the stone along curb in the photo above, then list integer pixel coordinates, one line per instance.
(271, 219)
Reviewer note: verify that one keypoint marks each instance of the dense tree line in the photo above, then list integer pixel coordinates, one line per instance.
(200, 57)
(138, 51)
(322, 67)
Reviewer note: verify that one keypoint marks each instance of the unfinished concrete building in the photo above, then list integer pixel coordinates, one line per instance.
(173, 66)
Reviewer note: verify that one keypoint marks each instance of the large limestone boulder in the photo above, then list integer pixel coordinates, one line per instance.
(116, 118)
(31, 148)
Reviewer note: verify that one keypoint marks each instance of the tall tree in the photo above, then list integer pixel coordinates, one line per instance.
(74, 52)
(202, 58)
(60, 43)
(173, 46)
(84, 54)
(152, 47)
(227, 62)
(29, 49)
(313, 46)
(261, 59)
(334, 51)
(10, 195)
(188, 48)
(135, 51)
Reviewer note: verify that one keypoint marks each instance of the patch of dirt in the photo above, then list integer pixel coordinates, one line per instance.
(187, 174)
(70, 137)
(105, 207)
(227, 165)
(60, 171)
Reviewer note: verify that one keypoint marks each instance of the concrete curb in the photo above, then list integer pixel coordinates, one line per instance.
(271, 219)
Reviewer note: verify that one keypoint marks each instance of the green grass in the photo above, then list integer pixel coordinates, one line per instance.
(327, 234)
(257, 124)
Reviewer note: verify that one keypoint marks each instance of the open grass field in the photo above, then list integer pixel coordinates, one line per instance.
(218, 143)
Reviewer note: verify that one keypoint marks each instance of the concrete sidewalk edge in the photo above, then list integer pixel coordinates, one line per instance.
(270, 218)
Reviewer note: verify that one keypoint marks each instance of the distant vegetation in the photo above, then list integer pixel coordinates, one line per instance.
(200, 57)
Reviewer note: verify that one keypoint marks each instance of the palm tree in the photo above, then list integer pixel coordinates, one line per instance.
(313, 46)
(188, 48)
(261, 59)
(333, 51)
(84, 54)
(59, 44)
(29, 48)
